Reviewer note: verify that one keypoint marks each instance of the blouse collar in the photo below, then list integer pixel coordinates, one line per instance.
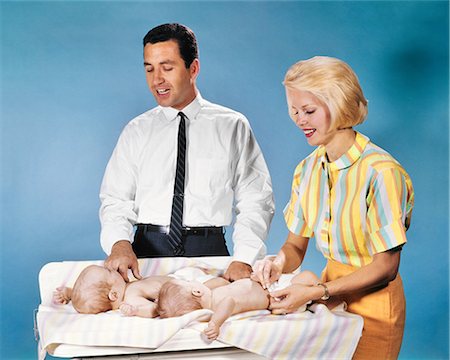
(348, 158)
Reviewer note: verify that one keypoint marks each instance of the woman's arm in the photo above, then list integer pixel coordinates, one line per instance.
(292, 252)
(289, 258)
(379, 272)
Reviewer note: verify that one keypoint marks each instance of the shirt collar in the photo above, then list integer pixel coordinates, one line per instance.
(350, 157)
(190, 110)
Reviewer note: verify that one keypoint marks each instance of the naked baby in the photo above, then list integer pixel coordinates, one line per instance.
(98, 289)
(178, 297)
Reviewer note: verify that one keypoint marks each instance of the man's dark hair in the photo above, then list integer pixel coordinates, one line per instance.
(185, 37)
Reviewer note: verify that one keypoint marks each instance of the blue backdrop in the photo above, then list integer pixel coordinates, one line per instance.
(72, 77)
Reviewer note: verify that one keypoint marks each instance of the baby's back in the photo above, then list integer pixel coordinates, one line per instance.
(247, 294)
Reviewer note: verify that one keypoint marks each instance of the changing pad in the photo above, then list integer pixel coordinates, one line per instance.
(318, 333)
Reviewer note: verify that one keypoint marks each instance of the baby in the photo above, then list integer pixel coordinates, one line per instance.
(178, 297)
(98, 289)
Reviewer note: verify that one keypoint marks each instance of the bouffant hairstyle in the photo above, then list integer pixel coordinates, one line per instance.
(333, 82)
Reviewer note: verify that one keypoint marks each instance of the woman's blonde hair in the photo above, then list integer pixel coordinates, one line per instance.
(333, 82)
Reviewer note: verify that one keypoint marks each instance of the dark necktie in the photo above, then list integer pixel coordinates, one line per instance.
(176, 219)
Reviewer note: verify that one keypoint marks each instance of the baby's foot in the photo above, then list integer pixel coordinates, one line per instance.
(127, 309)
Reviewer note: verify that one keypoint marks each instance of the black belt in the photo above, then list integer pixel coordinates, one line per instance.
(164, 229)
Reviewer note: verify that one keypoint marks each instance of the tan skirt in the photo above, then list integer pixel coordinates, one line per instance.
(383, 310)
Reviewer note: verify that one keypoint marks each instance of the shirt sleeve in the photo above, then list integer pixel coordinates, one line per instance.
(293, 212)
(254, 203)
(390, 204)
(117, 194)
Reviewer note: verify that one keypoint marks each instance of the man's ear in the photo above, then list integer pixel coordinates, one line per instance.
(194, 69)
(112, 295)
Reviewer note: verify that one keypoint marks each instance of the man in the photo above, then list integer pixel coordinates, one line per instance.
(180, 170)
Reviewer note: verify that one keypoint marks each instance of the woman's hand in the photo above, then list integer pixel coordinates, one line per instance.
(289, 299)
(267, 271)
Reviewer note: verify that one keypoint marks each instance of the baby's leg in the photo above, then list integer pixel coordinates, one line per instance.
(305, 278)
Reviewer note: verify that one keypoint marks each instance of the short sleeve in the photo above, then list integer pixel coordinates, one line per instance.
(390, 202)
(293, 212)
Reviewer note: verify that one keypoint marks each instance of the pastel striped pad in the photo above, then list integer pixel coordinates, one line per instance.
(108, 329)
(322, 334)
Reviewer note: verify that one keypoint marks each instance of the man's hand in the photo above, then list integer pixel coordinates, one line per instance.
(123, 258)
(237, 270)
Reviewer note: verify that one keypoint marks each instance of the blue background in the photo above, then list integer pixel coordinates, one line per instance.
(72, 77)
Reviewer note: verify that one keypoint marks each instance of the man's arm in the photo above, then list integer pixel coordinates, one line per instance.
(117, 213)
(254, 204)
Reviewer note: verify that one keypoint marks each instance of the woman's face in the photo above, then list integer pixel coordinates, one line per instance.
(311, 115)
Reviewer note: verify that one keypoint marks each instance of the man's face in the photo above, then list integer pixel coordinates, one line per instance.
(167, 77)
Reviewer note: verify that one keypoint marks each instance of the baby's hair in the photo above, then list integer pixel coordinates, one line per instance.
(174, 300)
(91, 298)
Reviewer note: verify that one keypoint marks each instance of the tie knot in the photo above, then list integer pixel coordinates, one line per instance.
(181, 114)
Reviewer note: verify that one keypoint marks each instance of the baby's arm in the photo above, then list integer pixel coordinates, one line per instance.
(140, 307)
(62, 295)
(139, 297)
(223, 311)
(216, 282)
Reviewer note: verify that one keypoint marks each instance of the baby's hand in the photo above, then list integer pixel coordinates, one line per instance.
(127, 309)
(212, 331)
(62, 295)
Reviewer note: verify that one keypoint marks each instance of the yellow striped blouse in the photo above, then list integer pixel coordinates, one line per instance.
(356, 206)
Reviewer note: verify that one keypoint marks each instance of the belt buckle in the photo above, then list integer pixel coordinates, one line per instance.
(185, 230)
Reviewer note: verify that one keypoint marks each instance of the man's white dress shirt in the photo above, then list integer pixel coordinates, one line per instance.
(225, 174)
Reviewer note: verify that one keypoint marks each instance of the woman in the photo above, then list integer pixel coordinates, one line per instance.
(354, 198)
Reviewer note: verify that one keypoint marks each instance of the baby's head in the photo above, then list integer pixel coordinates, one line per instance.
(97, 289)
(178, 297)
